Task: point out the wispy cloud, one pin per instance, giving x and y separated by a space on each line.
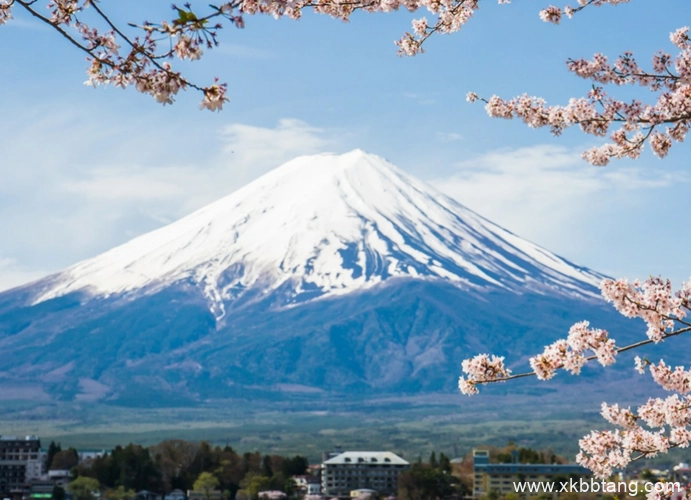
78 200
547 193
13 274
449 136
243 51
243 153
418 98
250 151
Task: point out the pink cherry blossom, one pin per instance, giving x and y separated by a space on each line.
5 11
654 427
660 123
191 33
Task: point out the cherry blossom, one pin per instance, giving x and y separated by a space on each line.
660 123
119 59
133 56
656 426
5 11
677 380
482 369
640 364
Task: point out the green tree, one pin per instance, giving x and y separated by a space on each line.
295 466
230 472
83 488
252 462
174 459
444 463
58 493
253 483
206 482
103 468
422 482
65 459
134 468
267 469
119 494
53 449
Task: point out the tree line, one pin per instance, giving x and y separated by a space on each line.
176 464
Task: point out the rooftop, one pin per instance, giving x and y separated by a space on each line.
532 469
369 457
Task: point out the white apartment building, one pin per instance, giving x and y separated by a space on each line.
357 470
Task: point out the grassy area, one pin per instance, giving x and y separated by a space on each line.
412 427
410 430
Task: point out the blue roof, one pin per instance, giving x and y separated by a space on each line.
546 469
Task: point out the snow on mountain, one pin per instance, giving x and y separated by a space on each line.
321 226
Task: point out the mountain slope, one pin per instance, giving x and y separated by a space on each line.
335 275
322 226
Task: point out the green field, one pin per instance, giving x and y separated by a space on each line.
412 430
411 427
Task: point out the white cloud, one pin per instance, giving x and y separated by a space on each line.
250 151
78 198
12 274
449 136
549 194
418 98
244 152
128 184
243 51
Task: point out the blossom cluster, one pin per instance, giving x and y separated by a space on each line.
654 427
134 61
570 354
667 422
653 300
596 113
481 370
553 14
451 16
5 11
141 63
677 380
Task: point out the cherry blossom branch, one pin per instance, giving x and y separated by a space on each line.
652 300
666 420
636 345
141 69
596 113
27 5
137 49
553 14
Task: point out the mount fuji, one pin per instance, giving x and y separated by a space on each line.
332 274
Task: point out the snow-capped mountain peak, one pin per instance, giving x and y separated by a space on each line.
319 226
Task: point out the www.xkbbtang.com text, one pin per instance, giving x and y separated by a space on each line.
581 486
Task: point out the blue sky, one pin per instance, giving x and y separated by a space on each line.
84 169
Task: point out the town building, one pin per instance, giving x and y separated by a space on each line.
356 470
308 484
500 478
204 495
176 494
681 473
147 495
20 463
